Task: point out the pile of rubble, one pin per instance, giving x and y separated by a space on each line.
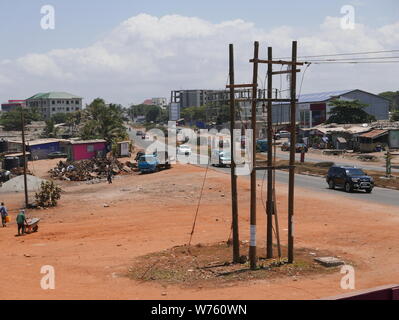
84 170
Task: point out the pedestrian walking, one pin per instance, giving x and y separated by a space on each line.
4 214
109 175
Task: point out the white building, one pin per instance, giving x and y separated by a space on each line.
161 102
51 103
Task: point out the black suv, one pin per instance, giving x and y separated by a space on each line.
349 178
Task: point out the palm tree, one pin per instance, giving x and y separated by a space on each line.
103 121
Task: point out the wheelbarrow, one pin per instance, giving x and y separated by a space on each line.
32 225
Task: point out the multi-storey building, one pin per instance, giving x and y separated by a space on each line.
54 102
12 105
190 98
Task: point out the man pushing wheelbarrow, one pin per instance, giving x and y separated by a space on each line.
26 225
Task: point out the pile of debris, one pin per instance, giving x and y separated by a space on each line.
84 170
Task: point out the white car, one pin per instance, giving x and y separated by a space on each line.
184 149
284 134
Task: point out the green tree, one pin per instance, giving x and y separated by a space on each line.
152 113
102 121
223 114
349 112
11 120
50 131
192 114
163 116
60 117
393 97
395 115
137 110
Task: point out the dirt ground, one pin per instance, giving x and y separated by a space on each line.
99 230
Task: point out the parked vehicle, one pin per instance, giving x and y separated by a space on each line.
4 175
164 159
349 178
261 145
284 134
148 163
153 162
184 149
139 133
298 147
220 158
57 154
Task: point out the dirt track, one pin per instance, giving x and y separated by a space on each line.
91 246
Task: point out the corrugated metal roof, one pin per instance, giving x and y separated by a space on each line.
38 141
321 96
87 141
354 129
374 134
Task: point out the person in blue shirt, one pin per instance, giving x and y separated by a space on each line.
4 214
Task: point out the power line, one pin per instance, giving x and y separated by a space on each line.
354 62
345 54
355 58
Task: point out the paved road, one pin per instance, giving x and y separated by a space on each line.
317 184
339 162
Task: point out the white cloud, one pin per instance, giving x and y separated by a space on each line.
148 56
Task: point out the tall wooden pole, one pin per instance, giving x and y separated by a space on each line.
292 157
234 204
252 246
269 202
24 156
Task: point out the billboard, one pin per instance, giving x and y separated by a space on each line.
174 111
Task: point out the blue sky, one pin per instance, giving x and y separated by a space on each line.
126 51
80 23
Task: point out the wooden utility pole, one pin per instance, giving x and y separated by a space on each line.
269 202
234 204
292 156
24 157
271 207
252 246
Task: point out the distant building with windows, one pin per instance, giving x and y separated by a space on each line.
191 98
312 109
12 105
52 103
160 102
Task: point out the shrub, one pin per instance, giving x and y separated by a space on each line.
48 195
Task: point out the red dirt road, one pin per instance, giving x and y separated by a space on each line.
92 246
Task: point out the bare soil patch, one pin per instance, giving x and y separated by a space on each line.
210 265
